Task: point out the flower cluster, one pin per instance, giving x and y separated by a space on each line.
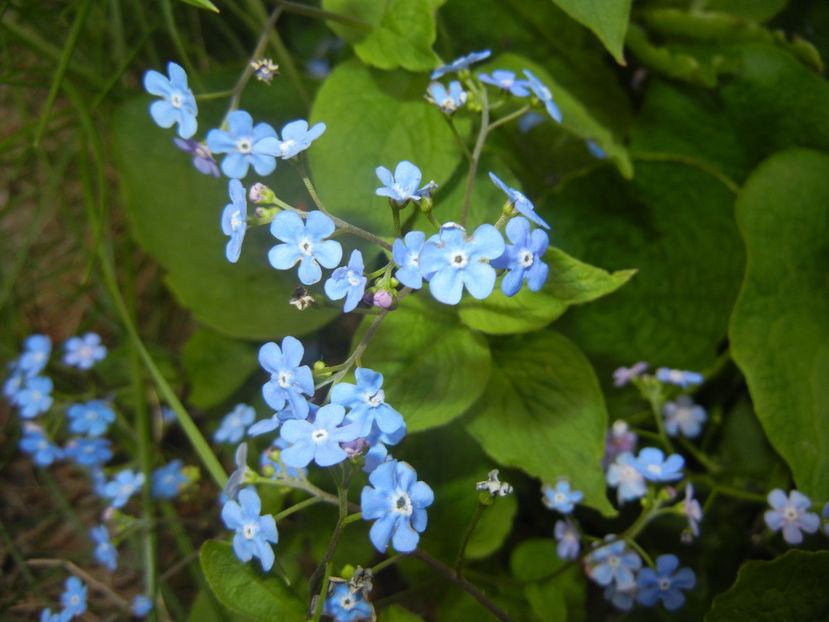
73 600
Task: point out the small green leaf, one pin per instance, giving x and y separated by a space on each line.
543 412
780 325
215 366
433 367
607 18
791 588
203 4
569 282
244 589
375 119
402 35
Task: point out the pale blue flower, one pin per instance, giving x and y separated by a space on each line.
519 202
35 443
141 605
296 137
561 498
235 220
367 402
289 380
36 351
84 352
683 417
178 104
88 451
35 397
665 583
568 538
318 440
448 100
613 563
232 428
245 145
679 377
348 282
456 260
791 515
460 63
623 475
92 418
104 551
168 480
653 465
125 485
397 501
74 598
304 242
523 258
544 94
253 532
402 186
505 80
347 604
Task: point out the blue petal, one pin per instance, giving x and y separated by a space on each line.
262 164
264 133
447 285
319 226
163 113
288 226
219 141
373 503
157 83
309 271
240 123
299 454
328 253
479 279
329 454
405 538
381 531
284 256
235 165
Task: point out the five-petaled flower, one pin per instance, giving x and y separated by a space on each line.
348 282
83 352
654 467
367 402
679 377
448 100
125 484
92 418
406 255
522 258
519 202
402 186
304 242
289 380
683 417
35 443
456 260
665 583
615 563
505 80
168 480
245 145
397 501
235 219
318 440
296 137
560 498
36 351
178 104
568 538
74 598
791 515
232 428
253 532
623 475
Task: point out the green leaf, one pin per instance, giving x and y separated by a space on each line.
434 368
569 282
215 366
756 10
673 223
543 412
174 213
402 35
244 589
375 119
207 609
791 588
558 598
396 613
203 4
780 325
607 18
576 117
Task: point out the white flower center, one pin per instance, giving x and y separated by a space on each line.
244 145
675 376
789 514
614 561
319 436
347 602
376 399
655 469
91 415
38 356
525 258
403 504
284 379
36 396
559 498
74 599
459 260
176 100
235 422
664 584
306 246
236 220
353 278
629 474
85 352
43 445
286 146
249 531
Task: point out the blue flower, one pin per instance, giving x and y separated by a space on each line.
304 242
74 598
568 539
13 384
523 257
346 604
519 202
399 502
528 121
35 396
679 377
233 425
448 100
367 402
36 350
377 441
505 80
168 480
125 485
92 418
542 93
318 441
84 352
268 459
791 515
623 375
235 220
43 451
618 440
47 616
665 583
621 599
683 416
289 380
104 551
245 145
296 137
348 282
691 509
460 63
402 186
88 451
178 104
253 532
626 478
613 563
141 605
406 254
202 158
653 465
456 260
560 498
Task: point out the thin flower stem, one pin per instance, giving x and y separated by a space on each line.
656 408
358 351
473 523
296 508
352 518
508 118
699 456
386 563
304 485
476 155
311 11
641 551
215 95
81 574
459 138
261 44
465 585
